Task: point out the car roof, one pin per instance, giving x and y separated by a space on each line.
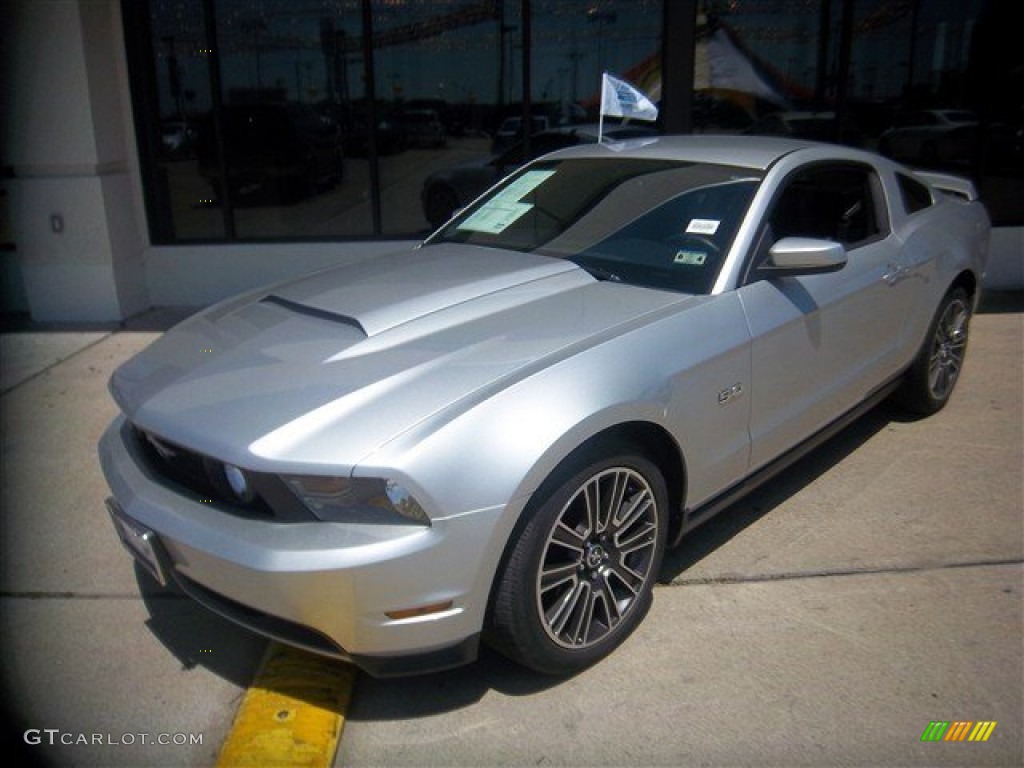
755 152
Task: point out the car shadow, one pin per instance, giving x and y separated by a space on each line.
382 699
1001 302
717 531
196 636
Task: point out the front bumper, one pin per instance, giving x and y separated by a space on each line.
322 586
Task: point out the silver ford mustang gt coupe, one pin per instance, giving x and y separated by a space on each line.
497 433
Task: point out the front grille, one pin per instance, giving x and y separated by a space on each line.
194 475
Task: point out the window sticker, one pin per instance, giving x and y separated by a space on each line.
702 227
522 186
505 208
494 219
690 258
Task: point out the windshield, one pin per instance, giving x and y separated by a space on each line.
658 223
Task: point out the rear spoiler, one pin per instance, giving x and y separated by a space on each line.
951 185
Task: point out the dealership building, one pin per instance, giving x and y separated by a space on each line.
174 152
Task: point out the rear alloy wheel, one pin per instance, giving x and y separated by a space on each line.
579 578
933 376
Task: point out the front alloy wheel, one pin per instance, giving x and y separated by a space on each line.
579 578
598 558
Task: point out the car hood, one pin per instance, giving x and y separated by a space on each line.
325 369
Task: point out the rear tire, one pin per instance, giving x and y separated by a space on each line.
580 574
935 371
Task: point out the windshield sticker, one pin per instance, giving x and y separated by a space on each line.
493 219
521 187
690 258
702 227
504 209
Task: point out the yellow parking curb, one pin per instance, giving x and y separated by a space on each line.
292 714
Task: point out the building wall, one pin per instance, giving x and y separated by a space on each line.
1005 271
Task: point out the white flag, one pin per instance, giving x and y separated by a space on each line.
620 99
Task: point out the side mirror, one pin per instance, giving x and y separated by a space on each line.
803 256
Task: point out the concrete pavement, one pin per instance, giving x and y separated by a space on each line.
84 653
825 620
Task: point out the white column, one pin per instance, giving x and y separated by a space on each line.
67 139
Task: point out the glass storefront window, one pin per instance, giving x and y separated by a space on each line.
291 75
754 63
575 41
333 119
932 83
460 64
439 78
278 106
181 65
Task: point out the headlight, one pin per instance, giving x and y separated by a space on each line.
356 499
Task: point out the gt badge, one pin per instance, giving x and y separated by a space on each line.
730 393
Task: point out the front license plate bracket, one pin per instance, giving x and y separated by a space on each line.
140 542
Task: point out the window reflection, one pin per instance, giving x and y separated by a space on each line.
438 80
260 126
449 80
282 148
182 63
933 84
291 76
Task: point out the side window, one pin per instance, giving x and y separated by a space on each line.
830 202
916 196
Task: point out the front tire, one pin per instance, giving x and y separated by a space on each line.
580 574
936 370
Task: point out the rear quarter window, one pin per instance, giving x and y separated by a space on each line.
915 195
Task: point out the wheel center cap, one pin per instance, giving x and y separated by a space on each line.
595 555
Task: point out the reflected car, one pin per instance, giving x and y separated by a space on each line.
423 128
495 435
511 130
814 126
281 152
929 136
177 139
447 190
390 136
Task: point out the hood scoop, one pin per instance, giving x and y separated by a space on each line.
321 314
386 292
